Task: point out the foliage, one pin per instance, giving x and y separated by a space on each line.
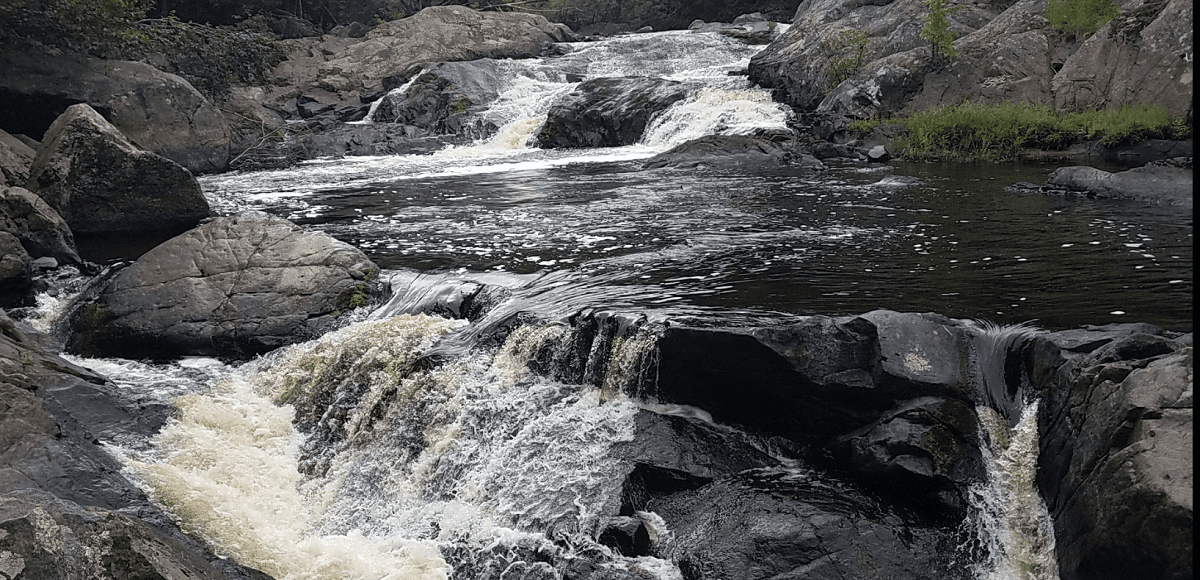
1080 17
75 24
936 30
842 65
999 132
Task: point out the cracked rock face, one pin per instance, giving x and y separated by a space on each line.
235 287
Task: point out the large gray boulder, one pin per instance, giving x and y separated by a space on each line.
731 151
1116 464
607 112
42 231
101 183
1144 56
1167 182
15 159
236 286
158 111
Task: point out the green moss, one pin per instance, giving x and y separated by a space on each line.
972 131
1080 17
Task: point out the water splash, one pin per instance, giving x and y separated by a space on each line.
716 111
1013 522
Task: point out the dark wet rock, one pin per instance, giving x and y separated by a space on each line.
157 111
99 182
41 230
16 273
607 112
235 287
796 524
1167 182
66 510
731 151
676 450
1140 57
629 536
15 158
1116 454
749 28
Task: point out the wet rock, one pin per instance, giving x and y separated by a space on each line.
16 273
730 151
1116 455
1143 56
42 232
607 112
99 182
897 182
1166 182
628 535
235 287
157 111
796 524
442 98
15 159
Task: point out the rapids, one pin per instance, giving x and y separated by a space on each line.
357 455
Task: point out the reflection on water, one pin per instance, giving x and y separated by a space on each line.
840 242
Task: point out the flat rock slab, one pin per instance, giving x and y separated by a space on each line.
235 287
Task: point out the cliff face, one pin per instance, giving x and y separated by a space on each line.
1009 53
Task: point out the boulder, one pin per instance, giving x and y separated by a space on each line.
157 111
607 112
16 273
1116 453
15 159
1143 56
236 286
41 230
730 151
792 523
1166 182
99 182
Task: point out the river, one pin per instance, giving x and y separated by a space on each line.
486 462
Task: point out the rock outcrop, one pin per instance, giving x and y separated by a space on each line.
1166 182
66 511
236 287
1116 454
1144 56
99 182
607 112
157 111
40 229
1008 53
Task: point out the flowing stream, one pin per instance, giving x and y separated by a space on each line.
472 467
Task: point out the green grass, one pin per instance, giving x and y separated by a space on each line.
1001 132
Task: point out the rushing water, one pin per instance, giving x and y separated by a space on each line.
403 470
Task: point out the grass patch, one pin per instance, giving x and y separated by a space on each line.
972 131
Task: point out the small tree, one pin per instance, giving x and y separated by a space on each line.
1080 17
936 30
841 67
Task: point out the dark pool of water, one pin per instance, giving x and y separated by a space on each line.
834 243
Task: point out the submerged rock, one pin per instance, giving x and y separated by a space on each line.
1167 182
235 287
99 182
731 151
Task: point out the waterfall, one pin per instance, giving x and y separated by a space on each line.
346 457
1010 519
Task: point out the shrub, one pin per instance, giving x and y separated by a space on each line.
846 53
1080 17
1000 132
936 30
